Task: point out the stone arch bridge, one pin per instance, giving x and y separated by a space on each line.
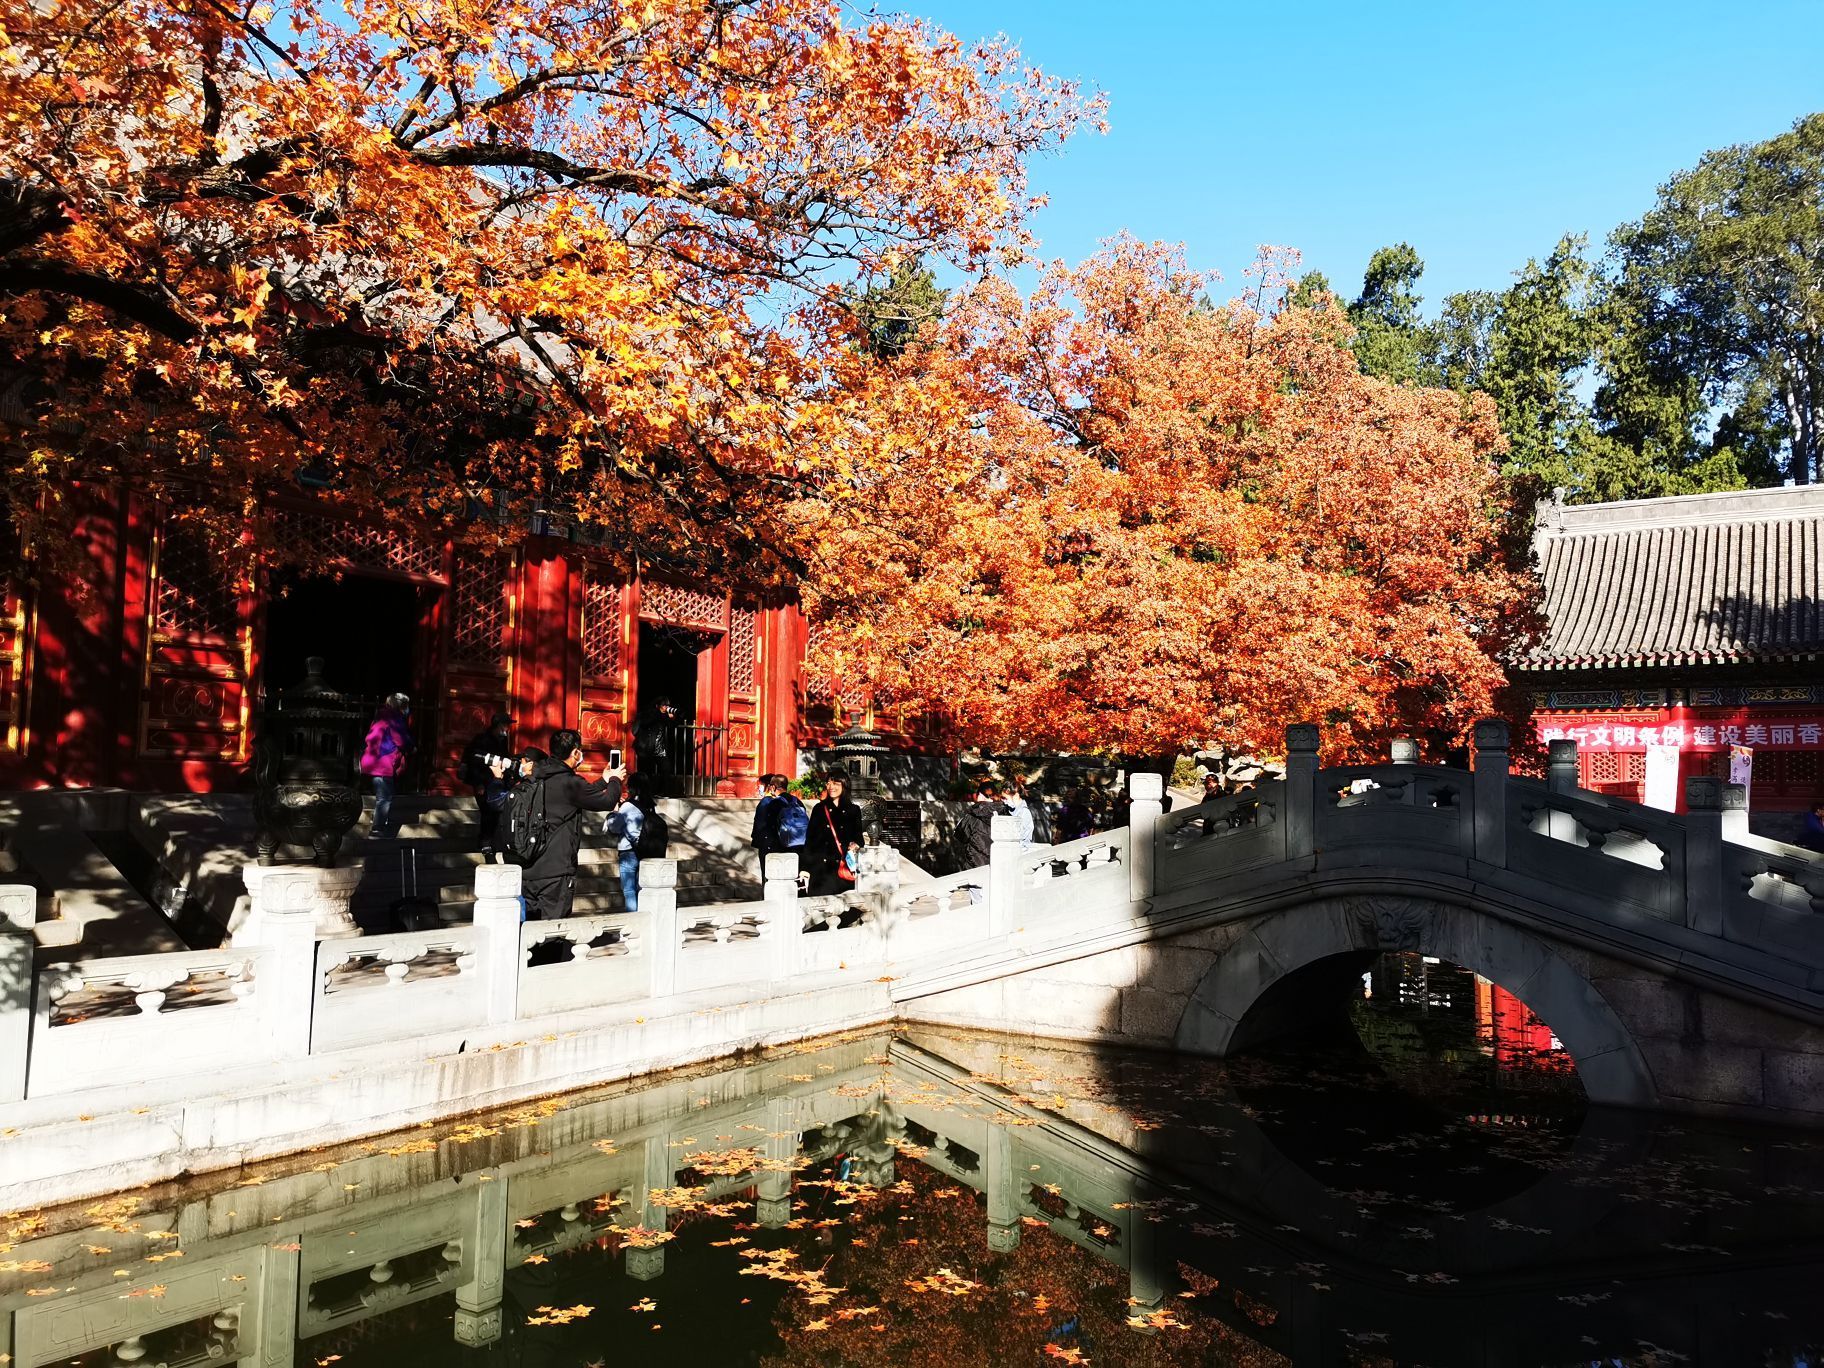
1679 959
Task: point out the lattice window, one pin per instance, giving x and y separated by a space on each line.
479 605
741 652
601 626
319 540
818 687
671 603
196 593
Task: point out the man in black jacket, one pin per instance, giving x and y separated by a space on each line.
550 880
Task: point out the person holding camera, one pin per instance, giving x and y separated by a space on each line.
486 762
555 796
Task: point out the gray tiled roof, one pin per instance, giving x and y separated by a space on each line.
1693 580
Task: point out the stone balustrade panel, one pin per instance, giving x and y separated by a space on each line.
1093 867
1225 835
938 914
363 989
1373 805
580 962
420 1252
1599 846
722 944
1774 900
144 1017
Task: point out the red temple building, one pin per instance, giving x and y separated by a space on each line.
149 676
1695 622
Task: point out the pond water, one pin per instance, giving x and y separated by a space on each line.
924 1197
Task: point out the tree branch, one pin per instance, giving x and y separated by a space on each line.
130 301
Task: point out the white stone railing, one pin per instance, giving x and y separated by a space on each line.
293 986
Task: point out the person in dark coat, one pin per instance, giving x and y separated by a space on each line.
835 831
490 781
1812 837
976 829
550 880
1076 819
766 816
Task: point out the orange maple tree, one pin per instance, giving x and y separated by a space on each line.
425 255
1168 523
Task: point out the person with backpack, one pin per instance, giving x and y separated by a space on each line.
544 823
642 835
766 815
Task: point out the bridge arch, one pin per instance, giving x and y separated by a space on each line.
1609 1062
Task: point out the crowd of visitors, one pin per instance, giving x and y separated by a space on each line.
530 807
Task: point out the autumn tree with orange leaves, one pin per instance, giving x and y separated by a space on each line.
429 256
1166 524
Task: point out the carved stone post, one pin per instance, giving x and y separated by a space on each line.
1561 765
646 1262
1302 741
1703 822
773 1188
1146 792
284 924
278 1306
1403 750
1002 1185
784 918
1561 777
323 893
499 914
1735 812
18 910
1490 785
659 905
484 1249
1003 875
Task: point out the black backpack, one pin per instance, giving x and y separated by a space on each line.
528 828
655 835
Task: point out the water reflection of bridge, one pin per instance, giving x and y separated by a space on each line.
249 1270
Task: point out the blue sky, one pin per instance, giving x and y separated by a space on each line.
1478 132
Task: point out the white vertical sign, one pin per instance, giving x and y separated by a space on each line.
1662 778
1741 766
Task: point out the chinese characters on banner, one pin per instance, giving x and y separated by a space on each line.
1644 730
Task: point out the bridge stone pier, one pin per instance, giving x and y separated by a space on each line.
1679 958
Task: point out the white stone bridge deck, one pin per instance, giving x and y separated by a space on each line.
1679 959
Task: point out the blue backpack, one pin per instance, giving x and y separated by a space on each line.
794 823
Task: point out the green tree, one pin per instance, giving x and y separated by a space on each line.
1718 306
892 311
1388 334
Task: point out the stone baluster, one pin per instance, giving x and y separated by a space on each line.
659 905
1735 812
784 917
283 924
280 1272
18 911
1003 875
1002 1185
773 1185
484 1248
1146 793
1561 777
1490 786
1302 740
646 1262
499 914
1703 823
1561 765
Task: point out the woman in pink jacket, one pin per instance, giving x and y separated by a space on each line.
389 742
